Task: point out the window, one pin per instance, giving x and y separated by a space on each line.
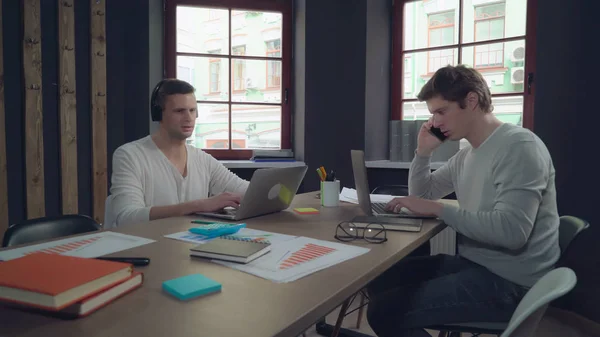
489 25
440 33
239 69
214 73
273 68
225 55
496 37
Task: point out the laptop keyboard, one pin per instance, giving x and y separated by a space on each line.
379 207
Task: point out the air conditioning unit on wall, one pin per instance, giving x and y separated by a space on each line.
518 54
517 75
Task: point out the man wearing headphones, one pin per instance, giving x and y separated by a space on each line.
160 176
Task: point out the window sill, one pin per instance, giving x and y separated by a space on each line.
252 164
401 165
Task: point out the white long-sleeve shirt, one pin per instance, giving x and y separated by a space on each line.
143 177
508 218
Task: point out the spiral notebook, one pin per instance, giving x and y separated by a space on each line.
231 248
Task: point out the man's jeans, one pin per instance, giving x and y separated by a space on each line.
424 291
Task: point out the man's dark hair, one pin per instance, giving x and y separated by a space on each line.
172 86
453 83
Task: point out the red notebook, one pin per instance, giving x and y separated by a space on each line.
89 304
53 281
96 301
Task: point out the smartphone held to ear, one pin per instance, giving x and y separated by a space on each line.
438 133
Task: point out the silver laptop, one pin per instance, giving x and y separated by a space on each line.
270 190
376 212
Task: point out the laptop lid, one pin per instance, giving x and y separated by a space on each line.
361 182
270 190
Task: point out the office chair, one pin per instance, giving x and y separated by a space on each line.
391 190
532 307
569 228
46 228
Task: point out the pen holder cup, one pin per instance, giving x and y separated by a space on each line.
330 193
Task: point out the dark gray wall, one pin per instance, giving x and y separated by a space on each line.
563 101
331 69
565 113
155 49
377 78
299 78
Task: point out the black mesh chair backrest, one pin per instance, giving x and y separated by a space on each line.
47 228
399 190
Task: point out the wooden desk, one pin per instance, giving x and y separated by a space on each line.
248 305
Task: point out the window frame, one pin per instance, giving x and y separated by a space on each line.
397 85
269 53
170 61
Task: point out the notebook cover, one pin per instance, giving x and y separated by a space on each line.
236 248
75 310
306 210
52 274
191 286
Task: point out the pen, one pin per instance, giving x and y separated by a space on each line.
320 173
202 222
136 261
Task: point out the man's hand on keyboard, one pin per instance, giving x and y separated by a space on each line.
415 205
220 201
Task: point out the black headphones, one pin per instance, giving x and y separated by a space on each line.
156 109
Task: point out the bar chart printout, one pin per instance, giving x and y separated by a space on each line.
296 258
307 253
88 246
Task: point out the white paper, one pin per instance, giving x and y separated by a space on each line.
296 258
349 195
245 233
88 246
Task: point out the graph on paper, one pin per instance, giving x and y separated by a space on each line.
307 253
296 258
90 245
67 247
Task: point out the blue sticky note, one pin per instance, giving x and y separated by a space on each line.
190 286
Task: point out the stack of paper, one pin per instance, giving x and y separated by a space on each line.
296 258
349 195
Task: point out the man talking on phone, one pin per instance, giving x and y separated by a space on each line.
506 224
160 176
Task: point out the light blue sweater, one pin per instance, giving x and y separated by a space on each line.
508 218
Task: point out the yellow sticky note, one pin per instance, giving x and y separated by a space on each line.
285 194
306 210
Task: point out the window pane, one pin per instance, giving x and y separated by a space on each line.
419 67
256 126
415 111
200 30
509 109
210 76
256 30
501 64
257 81
212 127
489 19
430 23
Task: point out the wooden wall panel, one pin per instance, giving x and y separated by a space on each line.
3 182
68 106
34 142
98 79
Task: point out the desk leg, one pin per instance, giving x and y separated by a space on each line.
329 330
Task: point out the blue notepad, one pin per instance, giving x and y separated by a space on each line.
190 286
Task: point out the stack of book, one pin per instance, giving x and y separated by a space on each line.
272 155
64 286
